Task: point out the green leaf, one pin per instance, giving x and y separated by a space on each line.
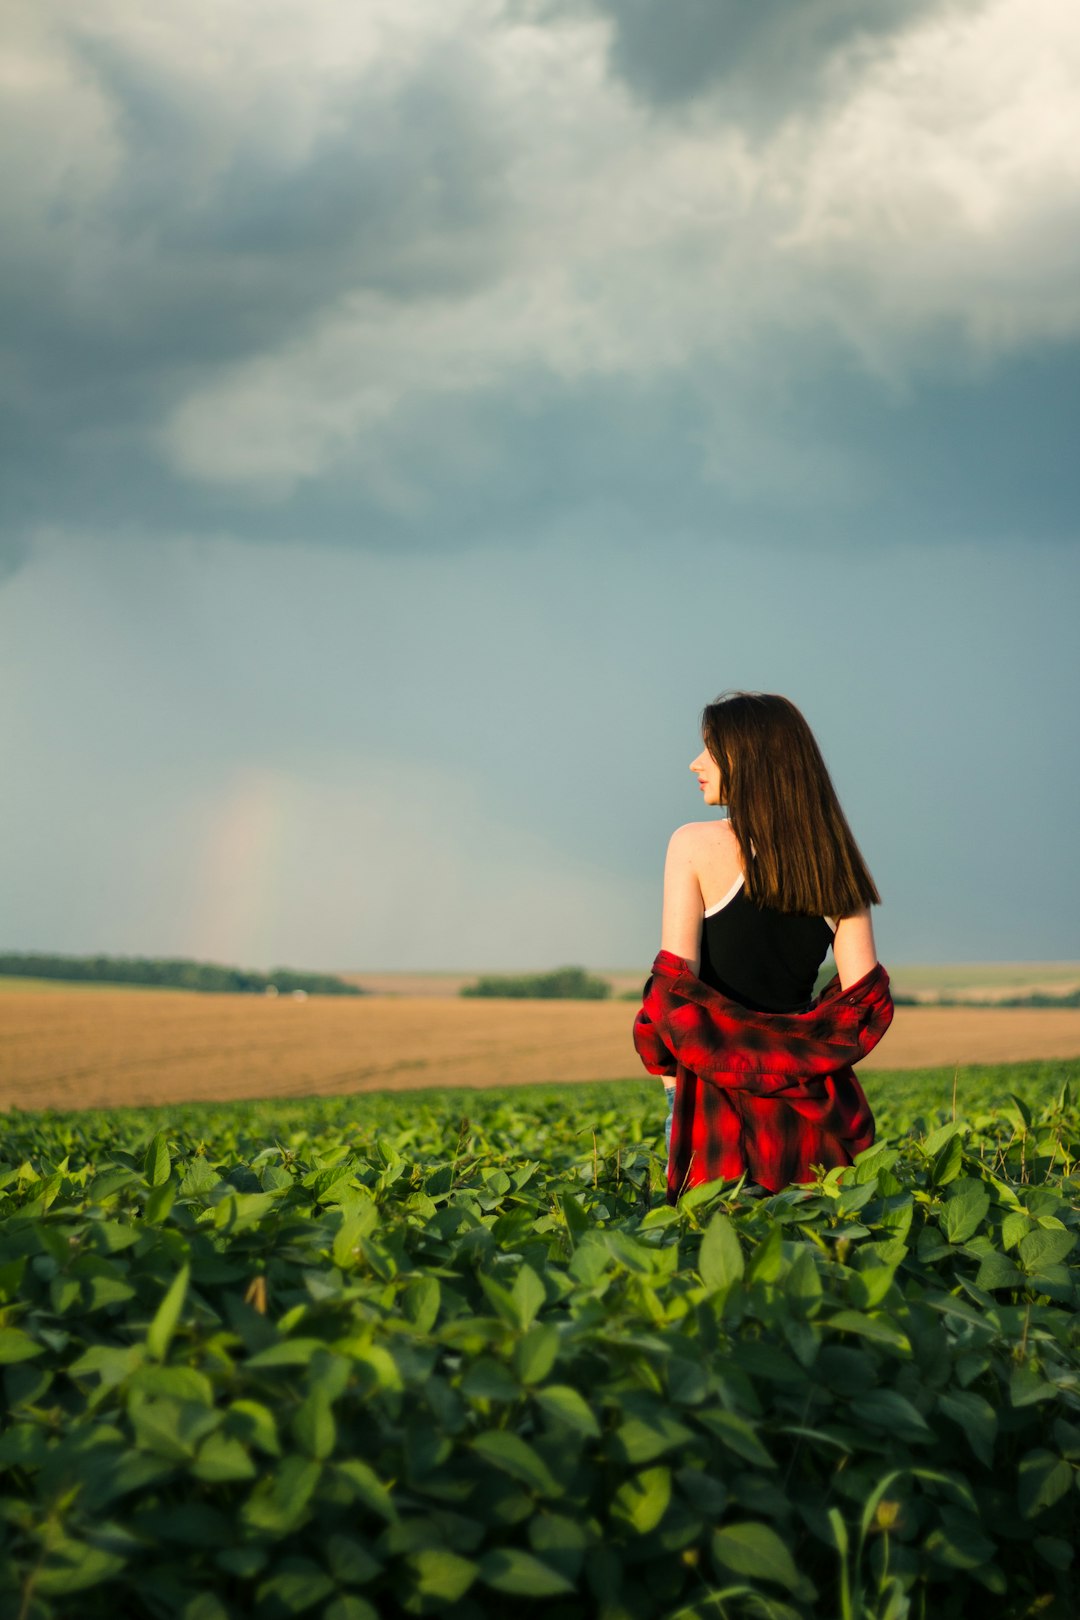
871 1327
976 1417
295 1585
577 1222
642 1500
756 1551
636 1257
161 1329
1022 1109
590 1260
518 1459
367 1487
767 1260
23 1446
738 1435
560 1541
157 1164
189 1524
313 1424
569 1407
287 1353
108 1290
73 1566
870 1285
439 1573
1028 1388
965 1209
181 1383
892 1413
112 1366
534 1355
940 1138
15 1345
720 1259
802 1285
947 1163
159 1203
957 1541
420 1303
348 1607
255 1423
350 1561
521 1574
171 1428
1055 1552
1044 1478
1045 1248
998 1271
239 1211
528 1295
641 1439
379 1366
489 1380
246 1559
278 1503
221 1459
199 1178
501 1298
204 1606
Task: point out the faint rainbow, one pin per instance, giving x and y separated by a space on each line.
238 889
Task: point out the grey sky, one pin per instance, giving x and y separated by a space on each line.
413 416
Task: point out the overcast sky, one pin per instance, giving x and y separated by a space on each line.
414 414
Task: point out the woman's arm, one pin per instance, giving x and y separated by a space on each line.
853 947
684 907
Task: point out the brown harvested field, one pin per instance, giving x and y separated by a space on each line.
70 1046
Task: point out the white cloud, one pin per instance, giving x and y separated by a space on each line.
936 190
946 187
548 225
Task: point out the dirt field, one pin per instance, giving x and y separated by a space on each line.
89 1047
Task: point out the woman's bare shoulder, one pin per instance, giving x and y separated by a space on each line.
712 851
706 833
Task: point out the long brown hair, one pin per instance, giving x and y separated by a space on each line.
783 808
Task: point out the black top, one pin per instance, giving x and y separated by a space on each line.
763 958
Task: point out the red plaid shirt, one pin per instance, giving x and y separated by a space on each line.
762 1092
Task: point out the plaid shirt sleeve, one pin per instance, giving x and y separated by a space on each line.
649 1044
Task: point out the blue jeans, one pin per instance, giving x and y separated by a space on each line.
669 1092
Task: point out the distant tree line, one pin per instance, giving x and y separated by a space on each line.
1033 998
174 972
566 983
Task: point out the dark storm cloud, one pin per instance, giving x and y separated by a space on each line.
207 238
989 457
183 266
764 58
399 195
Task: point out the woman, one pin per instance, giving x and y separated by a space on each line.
751 905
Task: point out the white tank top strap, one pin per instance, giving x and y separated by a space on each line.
732 892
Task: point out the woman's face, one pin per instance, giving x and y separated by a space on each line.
707 772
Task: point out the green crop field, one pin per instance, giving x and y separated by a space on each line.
453 1354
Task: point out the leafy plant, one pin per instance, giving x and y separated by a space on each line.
371 1357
